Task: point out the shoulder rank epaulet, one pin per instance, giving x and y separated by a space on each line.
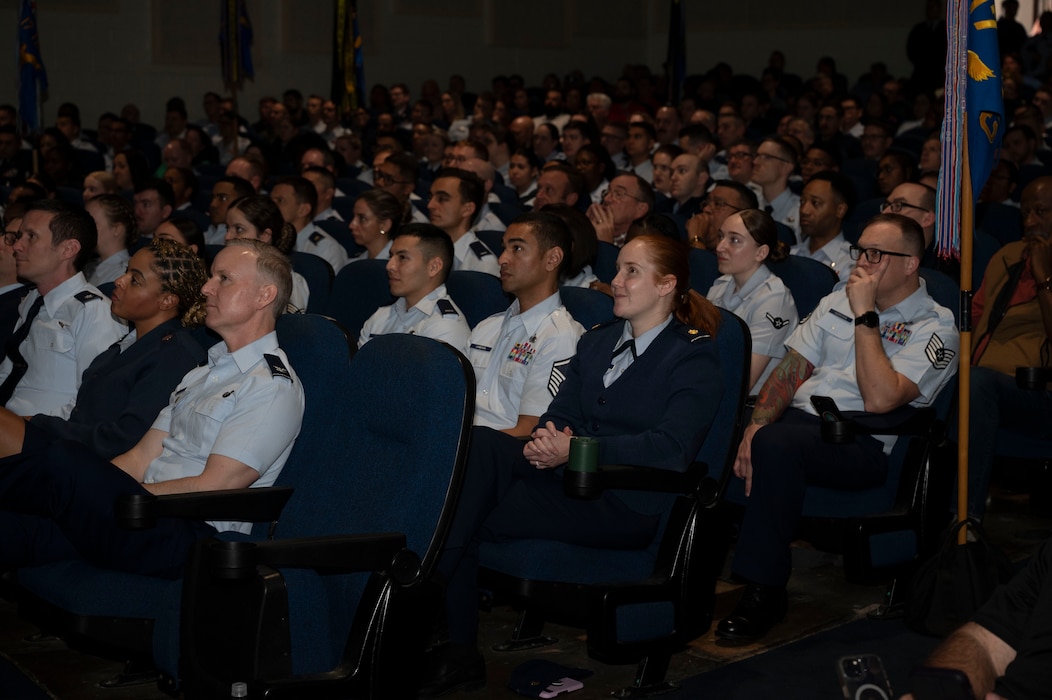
316 237
691 334
480 249
447 308
167 337
277 367
604 324
86 296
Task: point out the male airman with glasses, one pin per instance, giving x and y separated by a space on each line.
774 162
877 343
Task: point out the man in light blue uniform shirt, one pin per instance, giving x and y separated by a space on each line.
421 259
230 424
518 355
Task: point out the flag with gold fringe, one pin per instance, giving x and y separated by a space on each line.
974 114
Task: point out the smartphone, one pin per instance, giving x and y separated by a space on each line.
929 683
862 677
563 685
826 409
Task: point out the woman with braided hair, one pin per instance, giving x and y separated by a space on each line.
125 387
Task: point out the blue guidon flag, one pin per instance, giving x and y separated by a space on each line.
974 107
32 76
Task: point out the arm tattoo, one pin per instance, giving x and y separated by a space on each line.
777 392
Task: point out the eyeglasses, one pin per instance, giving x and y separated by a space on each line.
765 156
740 155
11 237
718 203
817 162
874 255
897 207
619 195
381 178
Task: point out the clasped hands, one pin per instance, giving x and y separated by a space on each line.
549 448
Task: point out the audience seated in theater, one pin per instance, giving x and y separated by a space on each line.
457 197
747 240
184 232
376 220
396 173
96 183
523 169
826 201
117 233
875 366
628 199
661 160
774 162
647 386
296 199
126 386
579 272
226 190
421 260
257 218
726 198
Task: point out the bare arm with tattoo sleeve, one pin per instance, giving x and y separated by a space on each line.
775 396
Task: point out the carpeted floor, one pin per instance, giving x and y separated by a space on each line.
15 684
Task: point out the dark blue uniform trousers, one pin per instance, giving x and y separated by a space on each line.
57 502
505 497
787 456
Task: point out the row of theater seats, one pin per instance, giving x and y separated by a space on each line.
382 452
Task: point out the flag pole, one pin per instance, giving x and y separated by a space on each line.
964 366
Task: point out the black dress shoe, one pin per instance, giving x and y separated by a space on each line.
760 609
452 667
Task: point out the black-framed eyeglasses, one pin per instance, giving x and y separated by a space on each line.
619 195
380 177
897 207
11 237
874 255
764 156
740 155
718 203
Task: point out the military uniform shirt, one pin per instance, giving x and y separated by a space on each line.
919 337
517 360
72 327
469 253
434 316
111 268
384 254
836 255
767 308
316 242
246 405
785 208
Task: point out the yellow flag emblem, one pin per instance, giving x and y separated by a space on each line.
977 70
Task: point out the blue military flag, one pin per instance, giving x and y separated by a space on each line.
235 43
32 76
348 70
974 108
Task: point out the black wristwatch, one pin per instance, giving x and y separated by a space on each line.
870 319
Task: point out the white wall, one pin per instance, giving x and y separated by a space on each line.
104 53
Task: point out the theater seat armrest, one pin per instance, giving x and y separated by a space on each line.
632 477
337 554
140 511
1033 378
905 420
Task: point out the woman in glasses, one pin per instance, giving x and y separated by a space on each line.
747 240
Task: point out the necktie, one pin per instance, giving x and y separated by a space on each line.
629 344
19 367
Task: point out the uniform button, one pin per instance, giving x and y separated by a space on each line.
595 427
602 401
